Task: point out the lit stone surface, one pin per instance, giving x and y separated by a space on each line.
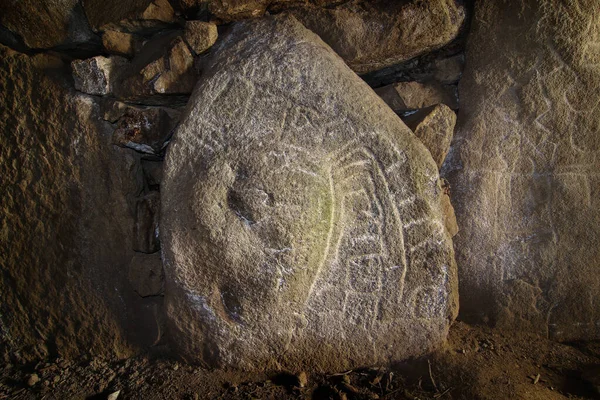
301 220
525 168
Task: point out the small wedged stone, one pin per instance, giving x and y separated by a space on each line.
409 96
434 127
164 66
200 36
302 223
146 130
129 16
97 75
173 73
146 274
145 229
121 43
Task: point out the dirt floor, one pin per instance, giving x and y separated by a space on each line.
477 363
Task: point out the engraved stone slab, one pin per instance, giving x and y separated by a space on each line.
301 219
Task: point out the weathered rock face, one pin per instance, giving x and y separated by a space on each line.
65 222
373 35
131 15
524 168
51 24
301 221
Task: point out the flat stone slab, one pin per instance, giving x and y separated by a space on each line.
301 220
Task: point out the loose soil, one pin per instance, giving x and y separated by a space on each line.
477 363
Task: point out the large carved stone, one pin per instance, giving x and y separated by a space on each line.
524 169
301 220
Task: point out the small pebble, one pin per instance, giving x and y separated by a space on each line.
113 395
33 379
302 379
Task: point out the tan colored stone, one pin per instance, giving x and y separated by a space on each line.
449 216
301 220
200 36
435 128
130 15
524 170
173 73
375 35
410 96
121 43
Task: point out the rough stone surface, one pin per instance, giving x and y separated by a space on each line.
301 219
65 219
145 230
131 15
97 75
121 43
53 23
146 129
410 96
373 35
146 274
200 36
174 72
524 168
435 128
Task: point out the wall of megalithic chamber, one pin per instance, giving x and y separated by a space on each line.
149 89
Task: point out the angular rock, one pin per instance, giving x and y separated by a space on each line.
524 169
145 229
65 235
146 274
146 129
200 36
435 128
301 219
97 75
410 96
374 35
121 43
130 16
173 73
48 24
